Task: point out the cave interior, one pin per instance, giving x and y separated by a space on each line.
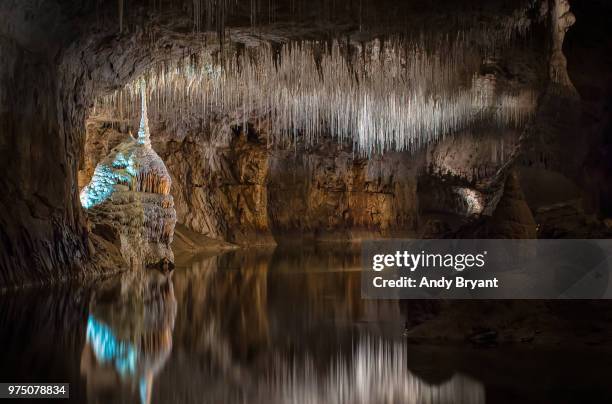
141 135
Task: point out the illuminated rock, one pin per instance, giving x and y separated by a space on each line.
129 194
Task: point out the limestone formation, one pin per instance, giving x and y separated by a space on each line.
561 21
129 195
248 194
392 95
271 141
512 217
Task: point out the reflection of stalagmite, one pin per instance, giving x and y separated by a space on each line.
129 335
130 193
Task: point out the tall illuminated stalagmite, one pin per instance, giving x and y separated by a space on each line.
130 192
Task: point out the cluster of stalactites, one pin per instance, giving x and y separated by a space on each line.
152 182
391 95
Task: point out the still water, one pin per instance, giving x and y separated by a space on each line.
265 326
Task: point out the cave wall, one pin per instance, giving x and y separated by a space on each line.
589 40
564 167
56 56
327 194
233 186
220 185
51 68
240 187
41 229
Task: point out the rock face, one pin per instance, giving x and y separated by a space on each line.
241 191
512 217
231 186
129 196
220 186
327 194
41 225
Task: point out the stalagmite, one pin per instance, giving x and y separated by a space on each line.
144 135
562 19
130 191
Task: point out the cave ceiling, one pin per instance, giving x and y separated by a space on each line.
380 53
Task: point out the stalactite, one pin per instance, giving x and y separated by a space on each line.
561 21
151 181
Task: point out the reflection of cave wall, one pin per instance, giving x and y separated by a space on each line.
254 317
43 331
251 303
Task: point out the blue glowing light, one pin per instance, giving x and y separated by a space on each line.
143 387
122 168
108 349
107 176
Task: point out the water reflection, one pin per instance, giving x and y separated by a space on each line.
374 372
264 326
128 336
289 326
